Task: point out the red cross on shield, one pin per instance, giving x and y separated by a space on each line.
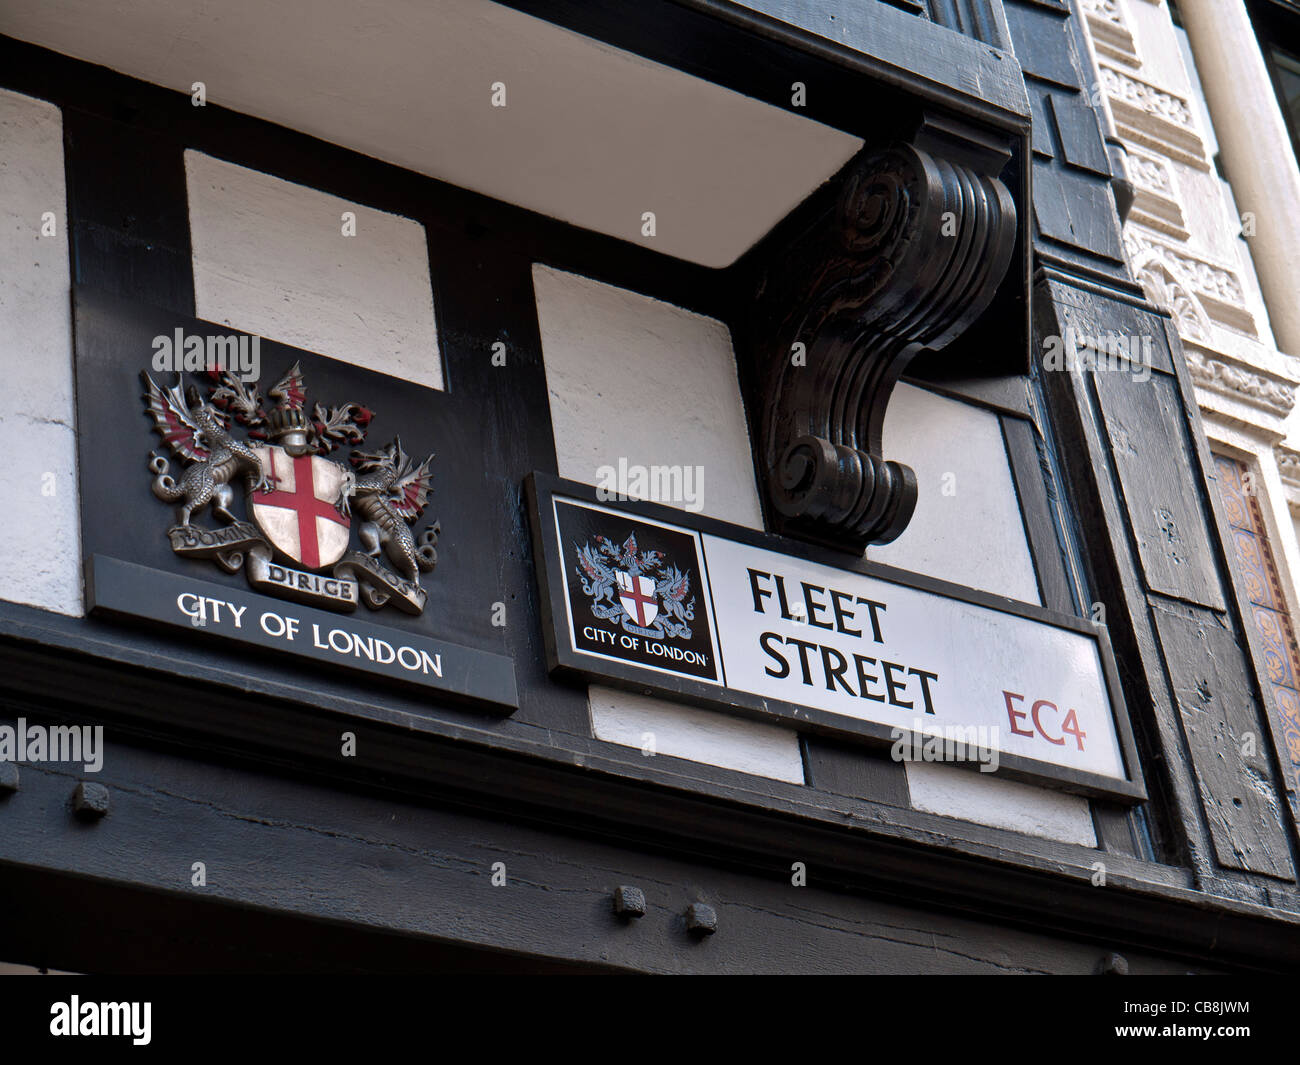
637 594
298 515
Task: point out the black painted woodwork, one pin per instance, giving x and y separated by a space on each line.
129 231
405 882
905 250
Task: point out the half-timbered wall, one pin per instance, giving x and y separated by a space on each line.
571 341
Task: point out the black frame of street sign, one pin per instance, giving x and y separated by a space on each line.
543 489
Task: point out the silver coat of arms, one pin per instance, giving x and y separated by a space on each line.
304 505
639 590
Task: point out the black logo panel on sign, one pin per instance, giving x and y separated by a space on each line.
635 591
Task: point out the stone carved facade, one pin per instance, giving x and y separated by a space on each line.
1218 375
1110 33
1180 238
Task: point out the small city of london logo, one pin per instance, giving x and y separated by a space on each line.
640 590
304 505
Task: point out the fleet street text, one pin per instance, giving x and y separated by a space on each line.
856 674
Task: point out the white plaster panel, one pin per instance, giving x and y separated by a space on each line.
40 565
969 795
698 735
632 377
967 527
270 258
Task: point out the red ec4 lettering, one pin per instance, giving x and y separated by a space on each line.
1043 715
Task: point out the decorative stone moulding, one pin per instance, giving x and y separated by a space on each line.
1110 33
1288 464
1145 114
1166 289
1216 374
1218 289
1155 195
909 254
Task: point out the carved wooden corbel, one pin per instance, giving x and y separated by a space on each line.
906 258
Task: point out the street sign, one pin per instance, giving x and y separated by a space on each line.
723 616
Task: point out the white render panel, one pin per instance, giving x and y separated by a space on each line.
970 795
698 735
635 378
42 567
270 257
967 528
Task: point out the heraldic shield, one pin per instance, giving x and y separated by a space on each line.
637 594
302 513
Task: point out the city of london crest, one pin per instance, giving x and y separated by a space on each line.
302 507
639 590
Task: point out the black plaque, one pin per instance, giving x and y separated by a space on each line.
346 641
127 529
620 574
